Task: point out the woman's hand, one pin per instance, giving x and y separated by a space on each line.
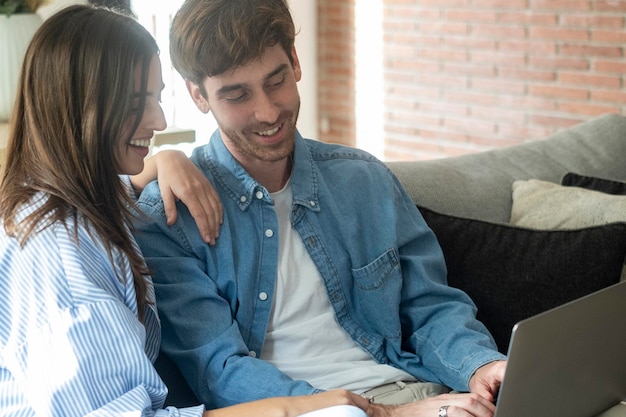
180 179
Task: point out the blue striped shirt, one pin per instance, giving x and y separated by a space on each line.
70 340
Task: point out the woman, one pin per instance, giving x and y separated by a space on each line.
78 322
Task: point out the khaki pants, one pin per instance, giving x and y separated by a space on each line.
404 392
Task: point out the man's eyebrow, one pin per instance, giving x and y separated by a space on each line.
228 88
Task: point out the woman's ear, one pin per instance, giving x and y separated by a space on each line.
196 95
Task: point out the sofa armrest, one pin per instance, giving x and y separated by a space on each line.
617 411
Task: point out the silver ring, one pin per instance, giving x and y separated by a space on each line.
443 411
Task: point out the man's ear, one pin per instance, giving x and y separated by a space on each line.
196 95
297 69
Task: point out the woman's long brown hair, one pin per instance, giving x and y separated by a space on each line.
75 93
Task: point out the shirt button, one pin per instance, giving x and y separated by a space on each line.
312 203
269 233
259 195
243 199
263 296
252 354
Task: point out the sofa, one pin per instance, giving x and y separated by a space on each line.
468 202
515 270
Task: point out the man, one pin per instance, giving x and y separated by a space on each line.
324 275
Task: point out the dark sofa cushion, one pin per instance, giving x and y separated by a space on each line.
572 179
514 273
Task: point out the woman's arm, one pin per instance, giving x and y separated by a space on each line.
180 179
324 403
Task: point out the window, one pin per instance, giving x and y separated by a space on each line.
180 111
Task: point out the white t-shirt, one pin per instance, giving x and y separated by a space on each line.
303 338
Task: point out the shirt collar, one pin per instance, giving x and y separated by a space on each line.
243 189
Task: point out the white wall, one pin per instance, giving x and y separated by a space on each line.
305 17
54 5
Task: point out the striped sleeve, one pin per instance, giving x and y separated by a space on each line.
70 341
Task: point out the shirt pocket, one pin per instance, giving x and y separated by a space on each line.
373 275
377 294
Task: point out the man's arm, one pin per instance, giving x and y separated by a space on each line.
440 321
197 312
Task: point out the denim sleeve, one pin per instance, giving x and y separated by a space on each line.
443 330
199 332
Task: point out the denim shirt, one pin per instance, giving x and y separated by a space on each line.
382 266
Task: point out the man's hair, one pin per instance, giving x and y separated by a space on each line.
210 37
75 92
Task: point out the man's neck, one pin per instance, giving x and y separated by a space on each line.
271 175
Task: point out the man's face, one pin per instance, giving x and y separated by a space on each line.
256 106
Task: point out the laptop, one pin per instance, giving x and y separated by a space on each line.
569 361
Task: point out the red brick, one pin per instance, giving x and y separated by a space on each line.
529 47
557 122
469 125
588 21
586 50
469 70
468 43
503 115
503 58
614 6
500 4
498 32
556 63
465 75
499 86
587 109
561 5
528 18
608 96
443 55
521 74
558 34
608 36
618 67
472 16
475 98
557 92
590 80
449 28
531 104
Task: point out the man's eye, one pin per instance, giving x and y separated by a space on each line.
235 98
277 81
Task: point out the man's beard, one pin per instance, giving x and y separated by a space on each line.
247 146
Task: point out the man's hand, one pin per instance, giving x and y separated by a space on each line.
471 404
487 379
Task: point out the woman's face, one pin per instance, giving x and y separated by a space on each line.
132 152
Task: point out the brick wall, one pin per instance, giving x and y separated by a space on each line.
463 76
336 71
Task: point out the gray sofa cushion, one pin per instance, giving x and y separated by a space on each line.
479 185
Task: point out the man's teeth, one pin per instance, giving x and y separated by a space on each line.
144 143
269 132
